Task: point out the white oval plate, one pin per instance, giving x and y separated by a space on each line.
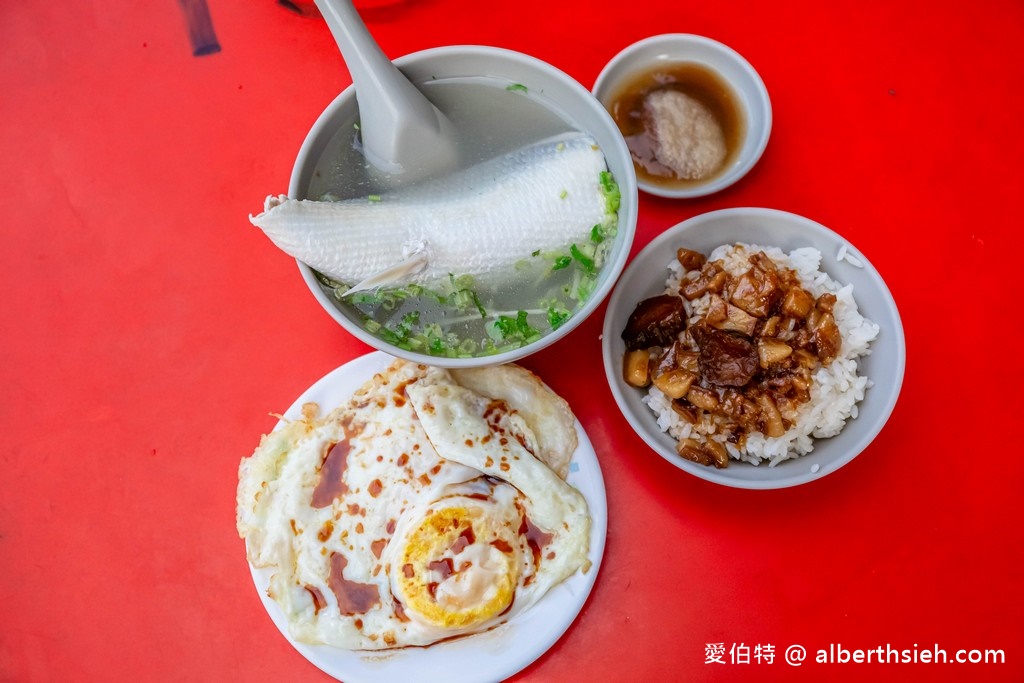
484 657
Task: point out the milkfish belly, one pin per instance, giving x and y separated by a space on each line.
542 197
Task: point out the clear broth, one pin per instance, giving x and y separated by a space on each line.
491 120
458 317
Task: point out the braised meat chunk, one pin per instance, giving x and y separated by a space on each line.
708 453
728 360
655 322
689 259
756 291
725 316
826 338
744 361
772 351
712 278
636 368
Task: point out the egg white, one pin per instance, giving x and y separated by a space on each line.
344 569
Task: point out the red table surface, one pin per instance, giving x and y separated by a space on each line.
147 331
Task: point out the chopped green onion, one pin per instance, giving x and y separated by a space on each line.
584 260
610 190
572 290
462 299
561 262
398 321
409 320
479 306
563 194
463 281
586 287
597 234
365 298
516 86
374 198
388 335
557 317
505 326
521 323
524 327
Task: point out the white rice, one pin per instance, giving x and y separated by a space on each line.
844 254
836 389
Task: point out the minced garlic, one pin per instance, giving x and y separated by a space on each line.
687 137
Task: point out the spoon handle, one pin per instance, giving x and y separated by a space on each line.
401 130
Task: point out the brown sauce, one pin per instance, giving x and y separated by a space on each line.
353 597
536 539
502 545
467 537
694 80
318 599
445 567
399 610
331 478
330 483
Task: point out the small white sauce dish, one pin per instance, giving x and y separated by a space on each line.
884 366
749 89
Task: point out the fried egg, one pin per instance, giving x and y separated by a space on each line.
418 511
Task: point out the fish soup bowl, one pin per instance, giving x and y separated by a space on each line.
330 143
647 276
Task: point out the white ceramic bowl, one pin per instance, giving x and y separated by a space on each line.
557 90
672 48
646 276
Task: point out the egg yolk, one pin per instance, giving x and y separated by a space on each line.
450 574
